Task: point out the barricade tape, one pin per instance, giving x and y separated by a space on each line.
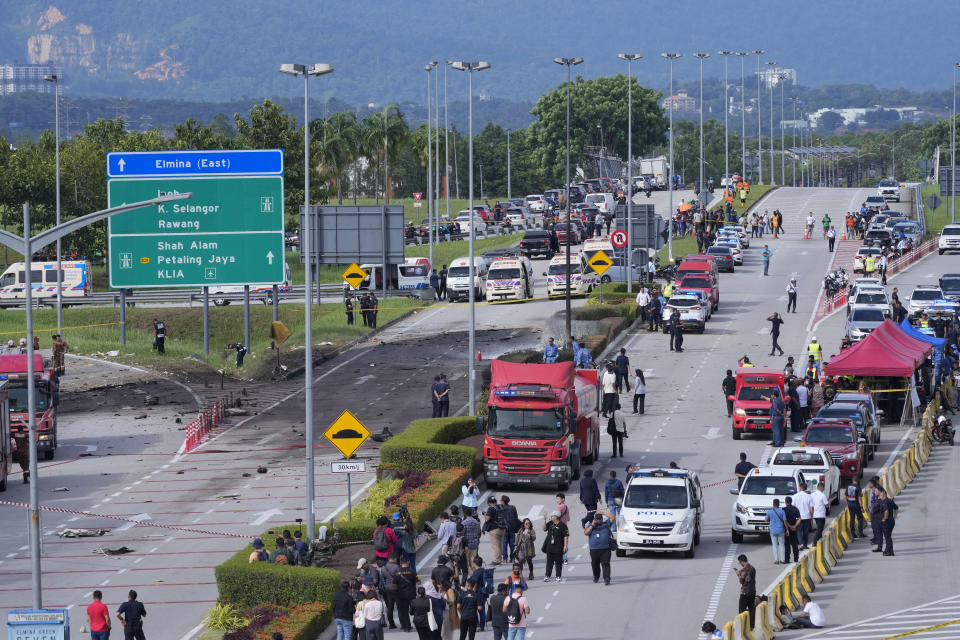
54 330
907 634
718 483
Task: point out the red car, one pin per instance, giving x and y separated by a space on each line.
706 284
839 437
567 233
484 211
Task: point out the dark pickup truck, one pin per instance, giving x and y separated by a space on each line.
538 242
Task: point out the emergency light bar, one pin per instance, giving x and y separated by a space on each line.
661 473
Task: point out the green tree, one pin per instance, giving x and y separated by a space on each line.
597 102
336 146
384 135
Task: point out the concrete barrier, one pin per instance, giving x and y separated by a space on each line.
728 631
810 562
742 627
763 629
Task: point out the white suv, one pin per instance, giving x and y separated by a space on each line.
755 497
889 189
817 466
662 511
922 297
949 238
536 203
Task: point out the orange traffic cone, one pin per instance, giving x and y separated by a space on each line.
843 235
806 235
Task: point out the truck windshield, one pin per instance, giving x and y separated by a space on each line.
458 272
754 393
541 423
656 496
769 486
561 269
18 397
503 274
830 435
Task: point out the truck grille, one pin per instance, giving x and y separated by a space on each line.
757 412
521 466
654 528
524 453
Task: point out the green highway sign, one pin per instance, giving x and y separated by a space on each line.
218 204
201 260
230 232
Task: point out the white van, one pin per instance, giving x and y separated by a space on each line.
582 278
458 279
604 202
662 511
222 295
592 245
76 279
414 273
509 278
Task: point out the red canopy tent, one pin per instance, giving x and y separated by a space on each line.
886 352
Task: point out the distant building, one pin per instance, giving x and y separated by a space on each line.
680 103
770 76
19 78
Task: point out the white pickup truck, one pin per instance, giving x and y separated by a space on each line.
889 189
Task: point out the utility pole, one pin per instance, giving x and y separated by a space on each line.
758 53
726 125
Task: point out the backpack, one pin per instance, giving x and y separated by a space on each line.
611 425
456 548
514 613
380 542
281 559
262 555
513 520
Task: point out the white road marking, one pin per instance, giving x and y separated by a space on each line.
152 550
121 571
546 607
725 572
556 593
70 606
138 561
104 583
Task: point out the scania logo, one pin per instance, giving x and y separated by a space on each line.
523 443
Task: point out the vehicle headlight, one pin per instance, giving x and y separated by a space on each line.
850 456
740 412
621 523
741 508
687 524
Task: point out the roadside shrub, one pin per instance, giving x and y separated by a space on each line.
431 444
302 622
252 584
373 504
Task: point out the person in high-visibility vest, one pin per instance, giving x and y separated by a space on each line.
668 290
815 352
924 321
869 265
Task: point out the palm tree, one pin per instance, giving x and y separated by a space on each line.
337 145
384 135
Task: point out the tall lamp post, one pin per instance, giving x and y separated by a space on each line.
629 57
953 148
470 67
430 201
773 174
568 62
743 118
726 124
702 57
601 150
55 79
793 143
318 69
446 144
670 57
509 193
758 53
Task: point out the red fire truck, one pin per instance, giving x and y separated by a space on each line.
13 369
6 450
542 424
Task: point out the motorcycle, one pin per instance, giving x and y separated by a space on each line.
942 430
835 282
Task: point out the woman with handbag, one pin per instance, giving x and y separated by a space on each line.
525 549
422 612
438 606
451 622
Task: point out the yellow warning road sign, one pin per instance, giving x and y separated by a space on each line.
600 262
347 433
279 332
354 275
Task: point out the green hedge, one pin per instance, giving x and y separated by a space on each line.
249 584
430 444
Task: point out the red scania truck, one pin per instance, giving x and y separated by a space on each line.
13 369
542 424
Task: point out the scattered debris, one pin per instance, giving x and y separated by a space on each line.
140 417
261 469
82 533
179 473
60 489
113 354
384 435
151 400
178 421
247 475
113 552
229 495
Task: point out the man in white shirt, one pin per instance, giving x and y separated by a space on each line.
803 394
820 503
804 504
608 381
643 299
792 295
810 222
811 616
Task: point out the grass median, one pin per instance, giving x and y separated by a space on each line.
936 219
97 330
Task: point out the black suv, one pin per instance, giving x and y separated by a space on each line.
537 242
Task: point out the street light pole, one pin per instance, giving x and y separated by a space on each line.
773 174
743 119
783 153
793 143
470 67
318 69
758 53
702 57
629 57
428 68
670 58
446 144
568 62
509 193
953 148
726 124
436 133
55 79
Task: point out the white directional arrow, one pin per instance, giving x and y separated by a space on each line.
130 525
122 164
362 379
712 434
269 257
265 515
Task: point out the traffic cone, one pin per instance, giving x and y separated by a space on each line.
843 235
806 235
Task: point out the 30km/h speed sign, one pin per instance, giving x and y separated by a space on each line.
618 239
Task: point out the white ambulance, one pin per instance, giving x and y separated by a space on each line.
458 279
76 280
582 278
509 279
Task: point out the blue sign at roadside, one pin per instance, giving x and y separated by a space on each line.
226 162
38 624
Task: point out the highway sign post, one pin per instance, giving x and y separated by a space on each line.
600 262
347 433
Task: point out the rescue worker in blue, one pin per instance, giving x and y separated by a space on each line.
551 351
778 411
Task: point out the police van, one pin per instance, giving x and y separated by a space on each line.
458 279
76 280
509 279
582 278
662 511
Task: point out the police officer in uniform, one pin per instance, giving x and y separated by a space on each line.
888 515
814 349
729 386
131 614
855 509
676 332
348 304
